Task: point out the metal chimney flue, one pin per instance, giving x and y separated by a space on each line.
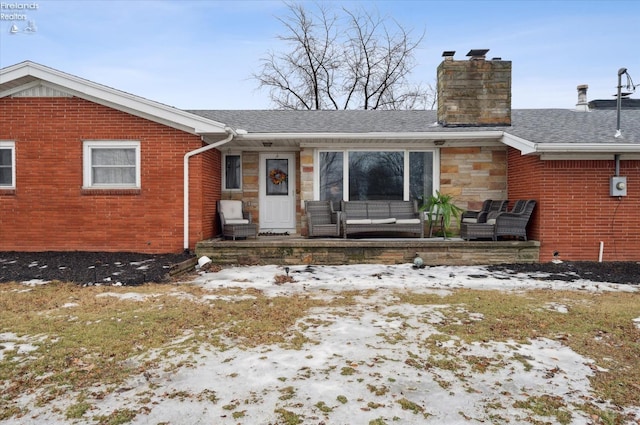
583 104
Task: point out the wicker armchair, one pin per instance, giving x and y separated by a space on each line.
322 220
235 222
488 207
512 223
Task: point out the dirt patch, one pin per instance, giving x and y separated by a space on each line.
88 268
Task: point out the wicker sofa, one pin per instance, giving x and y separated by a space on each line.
369 217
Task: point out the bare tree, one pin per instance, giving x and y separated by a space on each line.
364 65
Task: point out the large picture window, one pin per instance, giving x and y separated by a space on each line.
112 164
375 175
7 165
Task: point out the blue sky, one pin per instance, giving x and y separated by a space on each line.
201 54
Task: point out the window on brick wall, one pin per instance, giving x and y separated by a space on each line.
376 174
111 164
232 172
7 165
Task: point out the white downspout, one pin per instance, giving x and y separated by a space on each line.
231 133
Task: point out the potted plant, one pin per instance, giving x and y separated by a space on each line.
441 207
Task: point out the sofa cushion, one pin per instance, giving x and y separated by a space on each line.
469 220
237 221
408 221
359 221
383 220
231 209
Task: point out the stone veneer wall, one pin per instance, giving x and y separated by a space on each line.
473 174
338 251
306 184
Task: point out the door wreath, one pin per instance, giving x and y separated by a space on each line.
277 176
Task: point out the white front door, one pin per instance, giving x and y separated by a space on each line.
277 193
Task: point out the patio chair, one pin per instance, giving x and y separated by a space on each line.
488 207
322 219
514 223
511 223
235 222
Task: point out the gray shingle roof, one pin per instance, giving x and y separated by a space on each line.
534 125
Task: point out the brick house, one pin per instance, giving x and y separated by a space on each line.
87 167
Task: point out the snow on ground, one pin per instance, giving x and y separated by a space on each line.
11 342
368 362
404 276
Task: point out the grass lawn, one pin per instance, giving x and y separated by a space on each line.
66 350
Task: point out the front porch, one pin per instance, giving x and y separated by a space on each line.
285 250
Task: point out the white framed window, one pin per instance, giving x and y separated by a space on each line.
111 164
7 165
361 174
232 171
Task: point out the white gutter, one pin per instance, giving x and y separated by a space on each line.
588 148
230 134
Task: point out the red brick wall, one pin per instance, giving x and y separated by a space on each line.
574 211
209 184
50 211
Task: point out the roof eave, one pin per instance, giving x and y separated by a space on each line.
112 98
527 147
523 145
427 135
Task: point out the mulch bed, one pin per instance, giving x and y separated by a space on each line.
126 268
626 272
89 268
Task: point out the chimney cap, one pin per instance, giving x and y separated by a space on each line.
448 55
474 53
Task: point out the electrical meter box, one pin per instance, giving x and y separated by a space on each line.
618 186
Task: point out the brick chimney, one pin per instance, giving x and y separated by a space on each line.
474 92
